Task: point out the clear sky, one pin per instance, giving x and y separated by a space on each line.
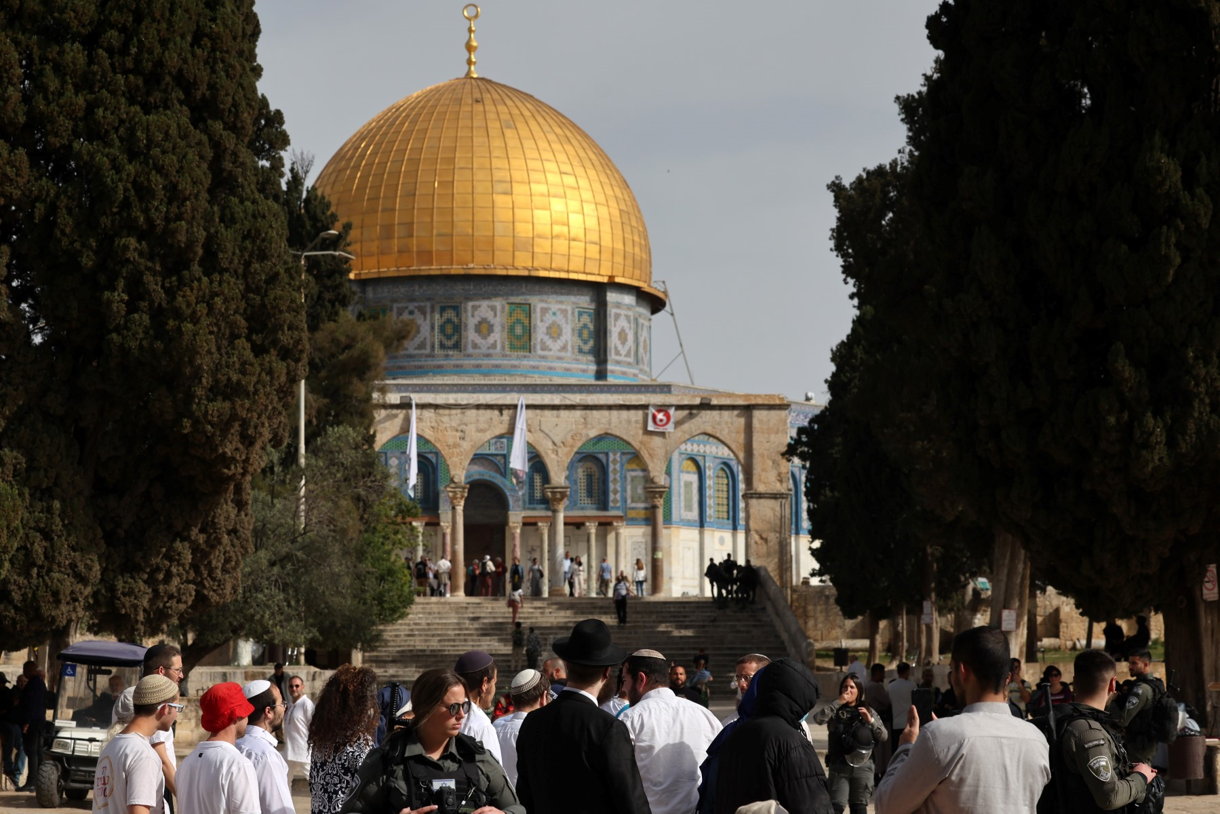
727 118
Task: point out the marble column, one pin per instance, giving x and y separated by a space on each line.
593 562
557 496
656 570
617 558
418 528
544 528
445 546
514 551
457 579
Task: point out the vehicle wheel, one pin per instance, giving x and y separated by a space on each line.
76 794
48 789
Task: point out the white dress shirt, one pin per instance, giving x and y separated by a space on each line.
507 728
296 729
985 759
671 736
478 726
274 794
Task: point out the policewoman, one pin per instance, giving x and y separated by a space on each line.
429 765
854 729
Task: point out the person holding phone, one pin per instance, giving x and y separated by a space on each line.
854 729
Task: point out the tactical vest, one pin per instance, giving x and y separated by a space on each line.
1067 792
410 781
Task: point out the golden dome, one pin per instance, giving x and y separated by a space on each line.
471 177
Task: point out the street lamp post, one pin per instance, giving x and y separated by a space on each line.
329 234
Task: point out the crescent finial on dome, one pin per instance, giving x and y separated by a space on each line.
471 12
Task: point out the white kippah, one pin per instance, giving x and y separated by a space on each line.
256 687
648 654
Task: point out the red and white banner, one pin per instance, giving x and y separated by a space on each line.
660 419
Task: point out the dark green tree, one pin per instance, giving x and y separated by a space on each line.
862 506
1064 169
331 583
152 325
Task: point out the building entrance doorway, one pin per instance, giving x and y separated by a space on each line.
486 518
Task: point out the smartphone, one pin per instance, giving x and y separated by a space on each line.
922 698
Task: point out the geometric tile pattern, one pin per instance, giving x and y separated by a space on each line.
644 343
448 328
554 329
485 329
518 327
622 336
606 443
586 332
616 491
419 333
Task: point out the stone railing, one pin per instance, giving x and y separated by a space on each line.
799 645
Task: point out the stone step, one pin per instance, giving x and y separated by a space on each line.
437 631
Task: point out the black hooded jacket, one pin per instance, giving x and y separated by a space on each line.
767 757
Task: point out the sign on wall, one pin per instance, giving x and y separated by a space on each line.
660 419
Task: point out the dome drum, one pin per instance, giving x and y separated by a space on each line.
515 326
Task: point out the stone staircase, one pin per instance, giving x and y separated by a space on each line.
437 631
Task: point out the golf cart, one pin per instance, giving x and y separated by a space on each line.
82 716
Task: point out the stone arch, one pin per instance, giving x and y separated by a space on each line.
614 453
710 454
432 465
647 449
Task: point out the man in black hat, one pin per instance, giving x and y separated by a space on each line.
572 756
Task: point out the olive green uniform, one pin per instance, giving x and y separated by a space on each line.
1090 752
1138 701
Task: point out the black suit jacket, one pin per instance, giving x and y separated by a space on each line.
573 758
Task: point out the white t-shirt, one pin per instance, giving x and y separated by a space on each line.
478 726
296 729
900 701
216 779
128 774
274 794
166 737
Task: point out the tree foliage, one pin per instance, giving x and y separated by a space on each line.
330 584
1061 298
152 324
863 507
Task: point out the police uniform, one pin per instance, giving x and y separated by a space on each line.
1132 712
400 775
1096 773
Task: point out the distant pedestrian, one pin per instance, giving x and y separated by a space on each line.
622 590
443 569
533 649
297 719
33 714
536 576
515 599
640 575
605 571
518 648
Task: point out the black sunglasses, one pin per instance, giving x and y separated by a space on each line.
454 709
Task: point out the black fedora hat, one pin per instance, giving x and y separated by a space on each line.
590 645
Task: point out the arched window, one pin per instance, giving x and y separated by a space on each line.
535 479
722 497
691 490
590 483
425 486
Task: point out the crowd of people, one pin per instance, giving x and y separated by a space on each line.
598 729
730 581
22 710
490 576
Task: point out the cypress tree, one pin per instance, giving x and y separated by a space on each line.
1064 170
155 314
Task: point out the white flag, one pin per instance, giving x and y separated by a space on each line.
412 454
518 459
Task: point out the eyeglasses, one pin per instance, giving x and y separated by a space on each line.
744 679
454 709
178 707
177 670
